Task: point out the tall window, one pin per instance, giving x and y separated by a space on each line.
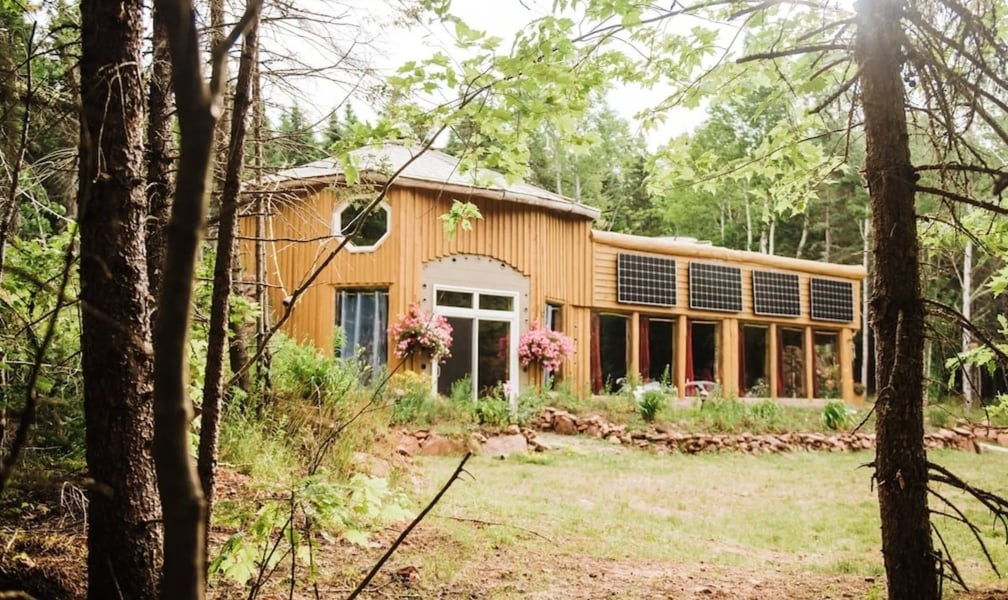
362 315
484 340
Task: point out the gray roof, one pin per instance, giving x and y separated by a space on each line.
430 169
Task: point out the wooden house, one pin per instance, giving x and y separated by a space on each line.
637 308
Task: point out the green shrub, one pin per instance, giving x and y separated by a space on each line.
939 416
302 371
767 415
724 415
410 399
835 416
492 412
529 404
461 391
650 403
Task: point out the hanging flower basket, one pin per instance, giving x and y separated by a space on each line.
544 347
421 331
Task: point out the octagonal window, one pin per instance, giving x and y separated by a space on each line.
370 233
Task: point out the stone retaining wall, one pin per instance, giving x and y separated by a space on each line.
965 437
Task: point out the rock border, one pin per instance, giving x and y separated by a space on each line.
963 437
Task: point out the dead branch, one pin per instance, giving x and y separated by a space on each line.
997 505
792 52
989 206
945 559
494 524
402 536
839 91
962 321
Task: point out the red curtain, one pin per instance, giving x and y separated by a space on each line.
741 361
644 348
689 352
596 354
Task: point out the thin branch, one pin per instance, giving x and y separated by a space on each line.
402 536
836 93
792 52
494 524
945 557
990 206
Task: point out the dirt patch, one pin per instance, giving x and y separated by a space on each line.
521 572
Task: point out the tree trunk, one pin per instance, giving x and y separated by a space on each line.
968 371
124 516
772 235
262 299
897 312
159 153
828 236
865 326
213 388
804 234
748 223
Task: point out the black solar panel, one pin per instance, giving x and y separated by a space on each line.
715 287
644 279
776 294
831 300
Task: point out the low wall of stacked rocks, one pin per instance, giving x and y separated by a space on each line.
964 437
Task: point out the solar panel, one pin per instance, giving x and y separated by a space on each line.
831 300
642 279
715 287
776 294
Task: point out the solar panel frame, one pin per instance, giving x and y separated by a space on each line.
776 294
715 287
645 279
831 300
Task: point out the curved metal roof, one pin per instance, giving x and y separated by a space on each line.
428 169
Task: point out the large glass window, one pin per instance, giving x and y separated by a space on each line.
362 316
484 340
791 362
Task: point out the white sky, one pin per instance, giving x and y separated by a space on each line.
386 48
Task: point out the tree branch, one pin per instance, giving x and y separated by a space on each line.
792 52
990 206
402 536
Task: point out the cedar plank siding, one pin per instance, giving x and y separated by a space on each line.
566 263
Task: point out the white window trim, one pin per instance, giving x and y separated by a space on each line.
337 225
512 317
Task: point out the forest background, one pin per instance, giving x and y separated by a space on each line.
97 155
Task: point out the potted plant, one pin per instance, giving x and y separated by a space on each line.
419 330
544 347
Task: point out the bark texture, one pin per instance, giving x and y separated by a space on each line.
897 313
159 152
124 517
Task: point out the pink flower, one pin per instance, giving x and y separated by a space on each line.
544 347
419 330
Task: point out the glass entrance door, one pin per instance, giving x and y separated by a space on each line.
484 341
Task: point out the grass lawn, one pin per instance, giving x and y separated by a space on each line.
808 513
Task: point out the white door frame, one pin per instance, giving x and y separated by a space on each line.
477 314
